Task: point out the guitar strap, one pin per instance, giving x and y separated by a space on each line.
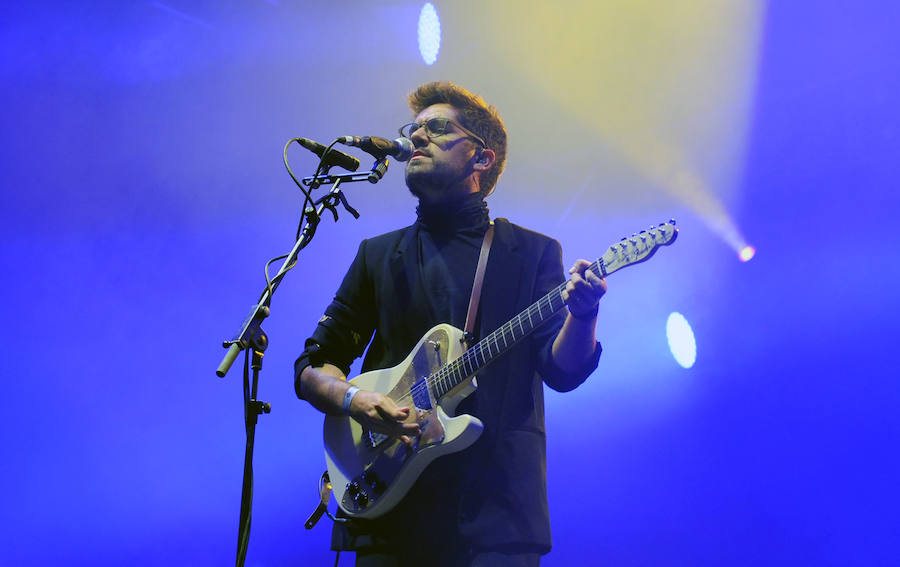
479 279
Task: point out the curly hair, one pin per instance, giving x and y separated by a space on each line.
475 114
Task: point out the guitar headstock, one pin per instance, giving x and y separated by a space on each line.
637 248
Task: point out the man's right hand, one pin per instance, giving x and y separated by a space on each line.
324 387
377 412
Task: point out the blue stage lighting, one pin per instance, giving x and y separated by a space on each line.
681 340
429 33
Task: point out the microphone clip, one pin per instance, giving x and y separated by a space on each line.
379 168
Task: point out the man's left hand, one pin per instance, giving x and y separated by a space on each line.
583 291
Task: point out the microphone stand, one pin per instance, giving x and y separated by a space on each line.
251 335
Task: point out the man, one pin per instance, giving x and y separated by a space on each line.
485 505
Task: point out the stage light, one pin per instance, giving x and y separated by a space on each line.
747 253
429 33
669 94
681 340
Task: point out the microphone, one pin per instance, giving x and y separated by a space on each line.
333 157
400 148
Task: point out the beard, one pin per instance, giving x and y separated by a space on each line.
432 184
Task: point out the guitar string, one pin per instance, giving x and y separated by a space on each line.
445 372
471 356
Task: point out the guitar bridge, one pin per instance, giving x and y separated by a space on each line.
376 439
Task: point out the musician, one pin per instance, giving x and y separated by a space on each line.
485 505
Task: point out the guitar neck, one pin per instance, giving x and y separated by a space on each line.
627 252
501 340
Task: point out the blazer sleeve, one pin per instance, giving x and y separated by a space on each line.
347 325
549 275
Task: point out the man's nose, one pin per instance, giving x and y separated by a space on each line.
419 138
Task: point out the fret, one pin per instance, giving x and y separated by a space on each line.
483 352
439 386
445 380
448 378
458 376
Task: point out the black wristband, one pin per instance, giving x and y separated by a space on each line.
586 316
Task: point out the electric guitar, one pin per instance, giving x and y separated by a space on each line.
371 472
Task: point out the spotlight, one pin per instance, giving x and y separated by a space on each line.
429 33
747 253
681 340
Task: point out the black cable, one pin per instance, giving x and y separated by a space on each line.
247 489
308 203
307 198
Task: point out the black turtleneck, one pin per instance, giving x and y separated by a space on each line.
449 239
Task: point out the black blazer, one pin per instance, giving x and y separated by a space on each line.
493 494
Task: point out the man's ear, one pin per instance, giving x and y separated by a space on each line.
484 159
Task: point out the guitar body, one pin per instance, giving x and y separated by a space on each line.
370 473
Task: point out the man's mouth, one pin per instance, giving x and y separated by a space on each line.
418 153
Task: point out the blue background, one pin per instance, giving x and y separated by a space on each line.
143 191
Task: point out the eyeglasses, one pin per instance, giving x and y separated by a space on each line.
437 127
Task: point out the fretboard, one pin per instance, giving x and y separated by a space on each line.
489 348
